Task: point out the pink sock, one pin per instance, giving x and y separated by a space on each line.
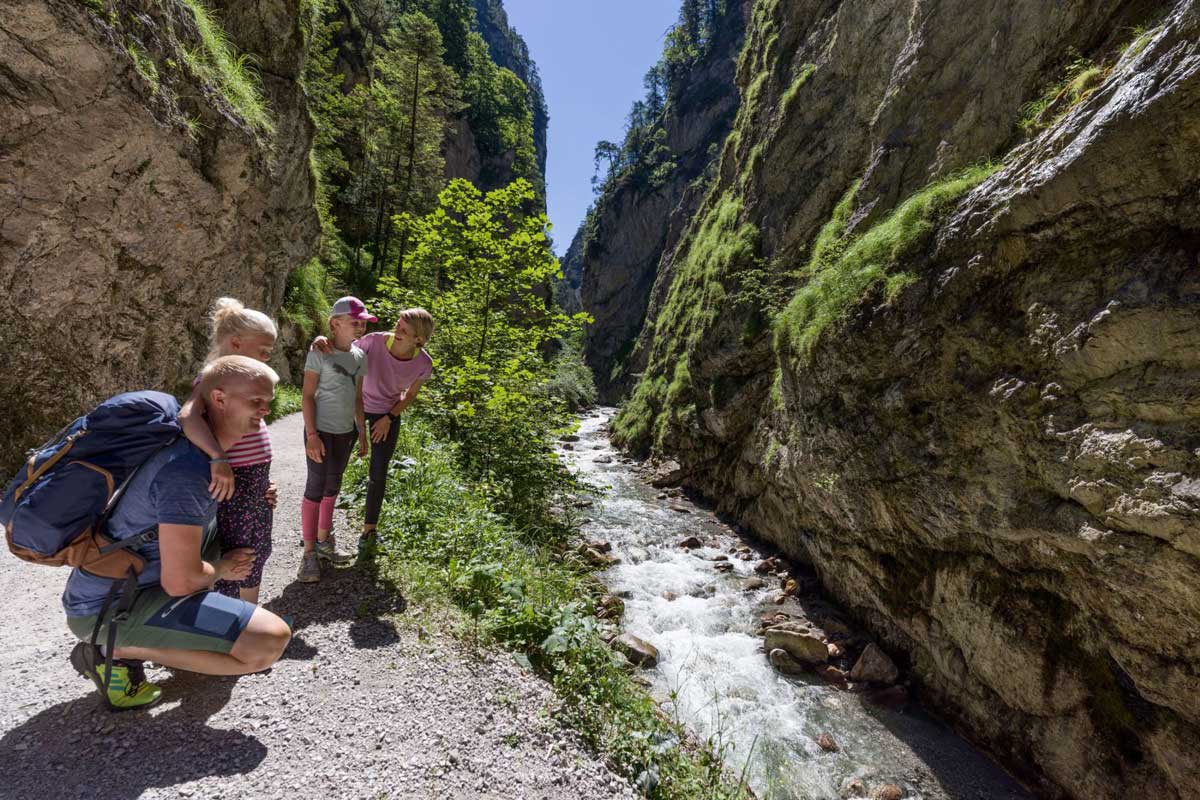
327 513
309 510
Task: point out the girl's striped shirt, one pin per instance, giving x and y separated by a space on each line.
253 448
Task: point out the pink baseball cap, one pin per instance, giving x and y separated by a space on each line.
352 307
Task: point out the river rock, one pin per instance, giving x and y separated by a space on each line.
639 652
833 675
665 473
721 557
854 787
610 607
802 646
887 791
569 437
767 566
568 446
874 665
754 584
723 566
604 459
827 743
600 545
691 543
679 508
598 559
783 661
789 587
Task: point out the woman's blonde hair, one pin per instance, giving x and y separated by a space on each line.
420 322
230 318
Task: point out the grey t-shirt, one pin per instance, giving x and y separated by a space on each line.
339 371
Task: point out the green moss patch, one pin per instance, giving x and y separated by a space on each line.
843 268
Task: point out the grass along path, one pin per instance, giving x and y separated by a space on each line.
364 704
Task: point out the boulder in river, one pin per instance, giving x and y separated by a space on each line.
827 743
666 473
802 646
887 791
600 545
691 543
639 652
723 566
874 665
604 459
754 584
570 437
783 661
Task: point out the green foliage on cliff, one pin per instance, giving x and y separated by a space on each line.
232 73
844 267
721 244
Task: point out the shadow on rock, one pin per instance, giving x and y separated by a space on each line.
80 749
346 593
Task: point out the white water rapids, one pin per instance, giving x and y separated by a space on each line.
713 676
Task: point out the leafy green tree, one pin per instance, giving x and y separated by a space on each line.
481 264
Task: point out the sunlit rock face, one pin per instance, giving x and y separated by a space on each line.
996 462
132 193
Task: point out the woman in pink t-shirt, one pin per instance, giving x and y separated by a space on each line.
397 366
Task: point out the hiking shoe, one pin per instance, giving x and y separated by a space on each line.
310 568
368 546
327 550
128 689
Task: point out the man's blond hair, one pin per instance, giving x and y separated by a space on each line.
226 370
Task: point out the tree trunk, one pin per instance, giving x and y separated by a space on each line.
412 157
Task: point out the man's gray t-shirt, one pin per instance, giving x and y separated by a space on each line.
338 387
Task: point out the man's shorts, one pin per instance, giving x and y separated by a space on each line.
202 621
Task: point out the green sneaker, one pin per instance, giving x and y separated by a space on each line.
368 546
327 551
128 689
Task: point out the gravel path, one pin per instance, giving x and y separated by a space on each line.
361 704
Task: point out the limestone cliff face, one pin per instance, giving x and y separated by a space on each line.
994 462
634 224
134 190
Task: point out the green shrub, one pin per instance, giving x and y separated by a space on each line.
1082 77
572 381
145 67
843 268
288 400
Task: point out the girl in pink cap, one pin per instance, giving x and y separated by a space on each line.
397 368
333 421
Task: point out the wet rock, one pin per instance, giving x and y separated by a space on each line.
660 496
584 503
675 491
827 743
665 473
679 508
767 566
691 543
598 559
611 607
597 447
833 675
887 791
570 437
723 566
779 599
600 545
787 664
720 558
639 652
875 666
790 587
754 584
604 459
854 788
568 447
802 646
670 597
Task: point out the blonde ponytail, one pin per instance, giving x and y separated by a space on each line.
230 318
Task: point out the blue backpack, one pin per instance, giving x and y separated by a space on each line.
54 511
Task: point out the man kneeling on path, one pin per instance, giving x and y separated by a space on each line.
175 618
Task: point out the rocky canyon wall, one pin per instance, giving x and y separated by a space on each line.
139 181
934 330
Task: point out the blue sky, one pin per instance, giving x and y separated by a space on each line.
592 55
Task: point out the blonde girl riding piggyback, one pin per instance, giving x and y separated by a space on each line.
333 422
397 367
241 477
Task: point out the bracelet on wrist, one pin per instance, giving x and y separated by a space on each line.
221 460
393 417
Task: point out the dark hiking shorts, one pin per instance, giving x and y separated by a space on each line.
206 621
